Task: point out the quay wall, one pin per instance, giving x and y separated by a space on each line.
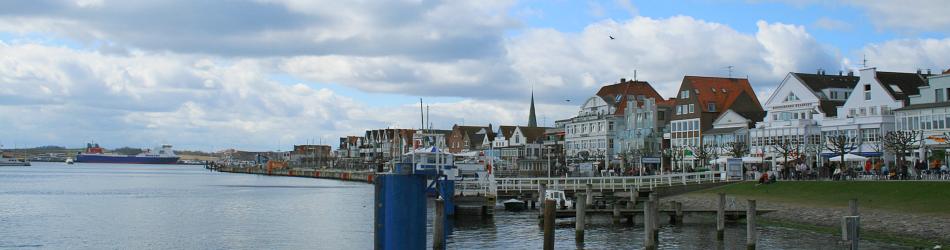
343 175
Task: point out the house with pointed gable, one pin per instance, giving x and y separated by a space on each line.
467 138
702 99
591 134
727 128
868 114
796 109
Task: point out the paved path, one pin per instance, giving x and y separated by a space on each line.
934 227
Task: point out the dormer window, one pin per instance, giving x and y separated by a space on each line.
711 107
791 97
684 94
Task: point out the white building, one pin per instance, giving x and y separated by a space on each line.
928 112
868 113
590 133
729 127
796 110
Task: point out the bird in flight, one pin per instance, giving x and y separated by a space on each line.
611 37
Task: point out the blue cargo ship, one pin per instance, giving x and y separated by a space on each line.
94 154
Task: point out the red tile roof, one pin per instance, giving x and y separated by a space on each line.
711 90
624 89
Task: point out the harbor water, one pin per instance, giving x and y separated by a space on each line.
114 206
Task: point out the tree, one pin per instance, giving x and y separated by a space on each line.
841 145
738 149
901 143
786 147
675 154
703 152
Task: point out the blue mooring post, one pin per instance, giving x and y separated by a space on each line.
447 190
400 211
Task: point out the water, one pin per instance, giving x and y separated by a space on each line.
108 206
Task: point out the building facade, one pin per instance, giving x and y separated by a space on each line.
929 113
699 102
868 113
795 112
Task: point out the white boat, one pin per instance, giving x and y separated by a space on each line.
12 162
559 198
69 161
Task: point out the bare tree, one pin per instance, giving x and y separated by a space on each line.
901 143
738 148
842 144
787 147
703 152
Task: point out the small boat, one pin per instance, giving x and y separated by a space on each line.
514 205
4 161
69 161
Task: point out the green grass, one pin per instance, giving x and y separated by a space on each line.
911 196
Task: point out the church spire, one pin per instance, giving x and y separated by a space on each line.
532 119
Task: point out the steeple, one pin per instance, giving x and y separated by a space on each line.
532 119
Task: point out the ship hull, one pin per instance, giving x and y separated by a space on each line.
126 159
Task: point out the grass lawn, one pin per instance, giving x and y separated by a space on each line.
910 196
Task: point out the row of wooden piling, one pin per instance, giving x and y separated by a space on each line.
850 224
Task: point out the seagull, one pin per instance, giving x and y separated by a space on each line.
611 37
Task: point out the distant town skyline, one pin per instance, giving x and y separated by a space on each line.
265 75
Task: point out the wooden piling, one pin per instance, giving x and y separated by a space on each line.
580 220
750 226
617 212
721 217
655 223
678 212
649 242
438 228
548 208
853 207
851 231
633 199
590 197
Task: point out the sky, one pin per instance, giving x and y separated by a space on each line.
268 74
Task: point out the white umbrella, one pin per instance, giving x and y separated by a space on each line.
719 161
848 157
750 159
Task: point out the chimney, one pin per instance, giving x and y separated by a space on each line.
622 80
839 72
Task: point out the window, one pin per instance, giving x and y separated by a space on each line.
867 87
660 115
938 95
846 94
791 97
873 110
864 111
691 108
867 96
711 106
834 94
684 94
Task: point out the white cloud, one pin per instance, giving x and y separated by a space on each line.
908 55
832 24
908 16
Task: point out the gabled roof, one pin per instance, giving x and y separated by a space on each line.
624 89
506 131
533 134
819 82
830 107
711 90
906 84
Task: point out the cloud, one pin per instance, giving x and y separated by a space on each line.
908 55
832 24
434 30
908 16
662 51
